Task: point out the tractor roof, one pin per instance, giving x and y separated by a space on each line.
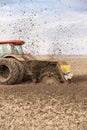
15 42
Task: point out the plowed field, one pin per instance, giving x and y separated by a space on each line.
29 106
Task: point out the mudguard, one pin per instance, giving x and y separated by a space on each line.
15 56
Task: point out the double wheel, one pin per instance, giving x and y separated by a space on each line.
11 71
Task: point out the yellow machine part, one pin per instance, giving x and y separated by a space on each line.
65 68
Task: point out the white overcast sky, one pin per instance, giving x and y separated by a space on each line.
47 26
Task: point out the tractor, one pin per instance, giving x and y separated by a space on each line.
16 66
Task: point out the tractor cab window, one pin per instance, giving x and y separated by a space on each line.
5 49
9 49
17 49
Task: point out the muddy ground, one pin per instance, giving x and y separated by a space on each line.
28 106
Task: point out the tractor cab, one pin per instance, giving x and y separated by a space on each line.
11 47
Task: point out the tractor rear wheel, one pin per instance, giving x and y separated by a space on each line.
21 71
8 71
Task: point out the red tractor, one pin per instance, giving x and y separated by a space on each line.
15 66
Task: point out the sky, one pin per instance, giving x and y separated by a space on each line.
56 27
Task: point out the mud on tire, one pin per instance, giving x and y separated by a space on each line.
8 71
21 69
49 75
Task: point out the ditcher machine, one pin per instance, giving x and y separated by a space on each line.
16 66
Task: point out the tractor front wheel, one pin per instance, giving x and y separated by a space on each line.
49 76
49 80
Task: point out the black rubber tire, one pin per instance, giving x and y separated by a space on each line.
49 76
8 71
21 69
49 80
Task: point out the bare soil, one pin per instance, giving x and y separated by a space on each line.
29 106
